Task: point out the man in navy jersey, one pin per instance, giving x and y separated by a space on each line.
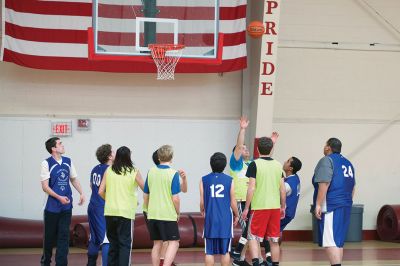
334 181
56 174
97 222
292 187
217 201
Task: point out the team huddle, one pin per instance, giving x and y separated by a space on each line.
261 195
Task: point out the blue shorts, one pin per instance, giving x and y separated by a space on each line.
285 221
213 246
333 227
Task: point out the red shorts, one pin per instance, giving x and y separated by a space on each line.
264 224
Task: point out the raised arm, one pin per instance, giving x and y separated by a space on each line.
244 123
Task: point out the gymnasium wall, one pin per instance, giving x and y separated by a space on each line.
348 90
22 141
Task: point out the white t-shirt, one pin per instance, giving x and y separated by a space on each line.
45 173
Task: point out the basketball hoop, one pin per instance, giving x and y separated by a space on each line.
166 56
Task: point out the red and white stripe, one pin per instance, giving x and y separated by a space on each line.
53 35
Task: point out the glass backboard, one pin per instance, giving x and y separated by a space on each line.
127 27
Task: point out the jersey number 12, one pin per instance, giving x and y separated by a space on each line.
216 191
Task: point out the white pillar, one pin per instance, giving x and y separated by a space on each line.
267 71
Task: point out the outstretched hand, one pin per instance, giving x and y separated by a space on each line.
244 122
274 136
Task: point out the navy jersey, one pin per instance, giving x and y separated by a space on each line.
95 180
291 200
59 183
341 186
217 205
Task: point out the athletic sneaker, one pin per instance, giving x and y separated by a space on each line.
268 261
234 255
240 263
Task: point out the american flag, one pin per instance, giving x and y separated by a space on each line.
54 35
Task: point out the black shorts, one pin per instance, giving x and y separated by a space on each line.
163 230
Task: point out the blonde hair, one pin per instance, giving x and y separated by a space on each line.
165 153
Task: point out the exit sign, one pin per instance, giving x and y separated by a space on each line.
61 129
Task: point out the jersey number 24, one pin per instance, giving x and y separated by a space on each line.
347 171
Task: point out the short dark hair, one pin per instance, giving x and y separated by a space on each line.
265 145
103 153
295 164
51 143
218 162
155 158
335 144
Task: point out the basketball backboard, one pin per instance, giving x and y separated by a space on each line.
126 28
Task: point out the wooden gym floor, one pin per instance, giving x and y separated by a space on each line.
294 253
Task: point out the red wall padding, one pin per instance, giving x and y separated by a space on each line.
388 223
80 237
24 233
21 233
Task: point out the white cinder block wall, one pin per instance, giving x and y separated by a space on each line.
348 90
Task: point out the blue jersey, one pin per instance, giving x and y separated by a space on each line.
217 205
341 186
59 183
291 200
95 180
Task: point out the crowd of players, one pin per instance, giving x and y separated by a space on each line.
261 195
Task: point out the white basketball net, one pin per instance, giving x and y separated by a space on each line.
166 56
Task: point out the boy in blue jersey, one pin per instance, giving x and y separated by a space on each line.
56 174
292 187
334 182
217 201
97 223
